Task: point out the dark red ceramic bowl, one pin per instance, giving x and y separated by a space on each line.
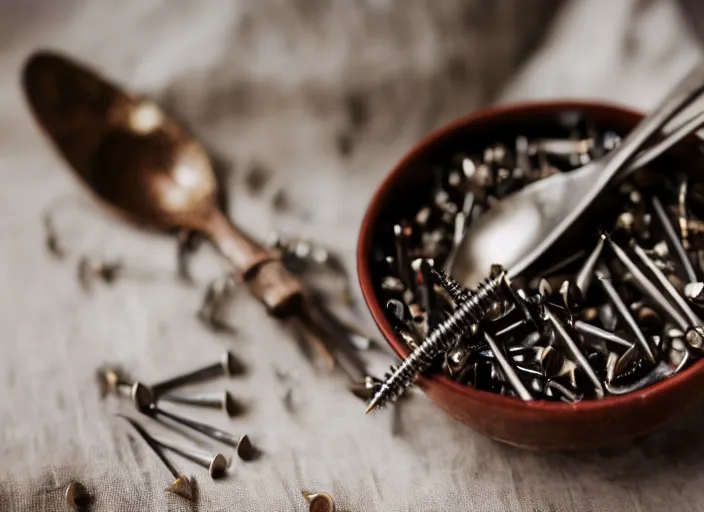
539 424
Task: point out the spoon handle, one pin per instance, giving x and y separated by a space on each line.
262 270
683 95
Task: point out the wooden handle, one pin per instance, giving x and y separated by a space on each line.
261 269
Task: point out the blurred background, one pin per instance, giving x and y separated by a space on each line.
327 96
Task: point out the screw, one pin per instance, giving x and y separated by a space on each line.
228 366
602 334
364 390
397 380
144 402
215 464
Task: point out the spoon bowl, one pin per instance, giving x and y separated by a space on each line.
124 148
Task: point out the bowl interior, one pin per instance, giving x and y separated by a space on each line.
409 184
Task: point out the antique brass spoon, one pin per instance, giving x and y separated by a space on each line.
148 170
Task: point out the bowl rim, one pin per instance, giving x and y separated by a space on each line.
495 400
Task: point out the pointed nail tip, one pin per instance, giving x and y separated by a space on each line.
182 487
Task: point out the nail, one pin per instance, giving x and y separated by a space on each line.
576 353
508 370
586 272
143 400
551 361
404 266
215 464
647 286
566 395
571 297
628 359
319 501
602 334
661 372
673 240
626 316
218 400
667 286
77 496
695 293
182 485
611 362
649 319
228 366
682 213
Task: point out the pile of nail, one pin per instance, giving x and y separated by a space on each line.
147 399
618 314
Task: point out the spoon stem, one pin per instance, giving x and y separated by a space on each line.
266 276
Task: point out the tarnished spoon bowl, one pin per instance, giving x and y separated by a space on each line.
539 425
145 167
123 147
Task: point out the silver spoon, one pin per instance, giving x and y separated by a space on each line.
545 209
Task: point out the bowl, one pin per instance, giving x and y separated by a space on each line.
537 425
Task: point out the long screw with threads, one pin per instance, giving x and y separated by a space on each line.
470 309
